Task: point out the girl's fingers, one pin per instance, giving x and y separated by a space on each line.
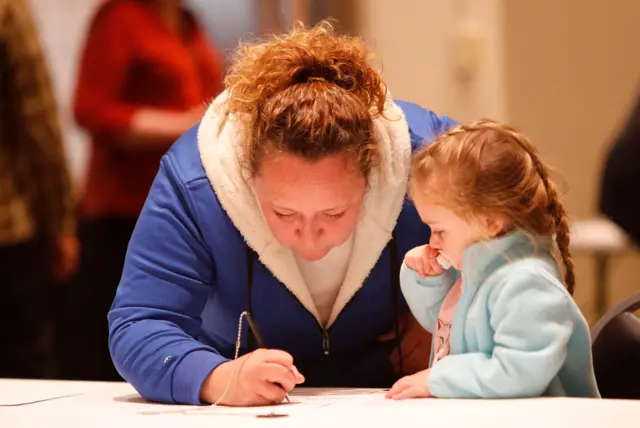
397 388
411 392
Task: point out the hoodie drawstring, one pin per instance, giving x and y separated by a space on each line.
395 298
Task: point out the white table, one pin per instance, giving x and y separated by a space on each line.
117 405
601 238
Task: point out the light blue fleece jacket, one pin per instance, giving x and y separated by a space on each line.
516 330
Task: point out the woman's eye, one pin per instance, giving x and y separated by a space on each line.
282 215
335 216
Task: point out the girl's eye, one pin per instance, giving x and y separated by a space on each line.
438 232
335 216
281 215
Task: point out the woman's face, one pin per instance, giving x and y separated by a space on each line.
310 207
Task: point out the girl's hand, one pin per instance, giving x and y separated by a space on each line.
423 260
414 386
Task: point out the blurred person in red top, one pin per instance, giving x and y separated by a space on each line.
146 74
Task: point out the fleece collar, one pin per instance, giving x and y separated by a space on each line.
220 140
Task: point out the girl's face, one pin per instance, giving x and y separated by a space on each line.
451 235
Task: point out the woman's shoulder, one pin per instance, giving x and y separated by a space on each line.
184 158
424 125
182 182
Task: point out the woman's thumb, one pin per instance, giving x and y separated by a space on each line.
298 376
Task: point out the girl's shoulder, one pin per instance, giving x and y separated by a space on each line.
527 280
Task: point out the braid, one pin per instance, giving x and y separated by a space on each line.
556 210
554 207
562 234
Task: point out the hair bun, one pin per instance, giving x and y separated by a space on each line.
259 71
313 73
330 71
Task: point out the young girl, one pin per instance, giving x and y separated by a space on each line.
487 285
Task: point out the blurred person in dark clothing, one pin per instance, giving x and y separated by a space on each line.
146 74
37 228
620 186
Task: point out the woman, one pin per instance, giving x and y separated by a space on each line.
145 75
288 201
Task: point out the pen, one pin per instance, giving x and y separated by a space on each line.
261 344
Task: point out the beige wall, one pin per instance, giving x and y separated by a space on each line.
572 74
417 43
564 72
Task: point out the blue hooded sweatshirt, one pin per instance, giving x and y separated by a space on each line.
201 254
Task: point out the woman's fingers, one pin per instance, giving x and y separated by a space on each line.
270 392
264 377
278 374
284 359
297 375
275 356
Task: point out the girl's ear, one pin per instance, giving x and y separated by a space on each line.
495 226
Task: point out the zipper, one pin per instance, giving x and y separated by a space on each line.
323 330
325 341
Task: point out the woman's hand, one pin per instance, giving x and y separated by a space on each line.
422 259
261 377
414 386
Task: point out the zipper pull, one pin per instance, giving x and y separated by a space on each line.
325 342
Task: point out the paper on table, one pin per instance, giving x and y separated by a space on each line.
14 392
303 400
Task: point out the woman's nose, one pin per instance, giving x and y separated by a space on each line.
309 232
